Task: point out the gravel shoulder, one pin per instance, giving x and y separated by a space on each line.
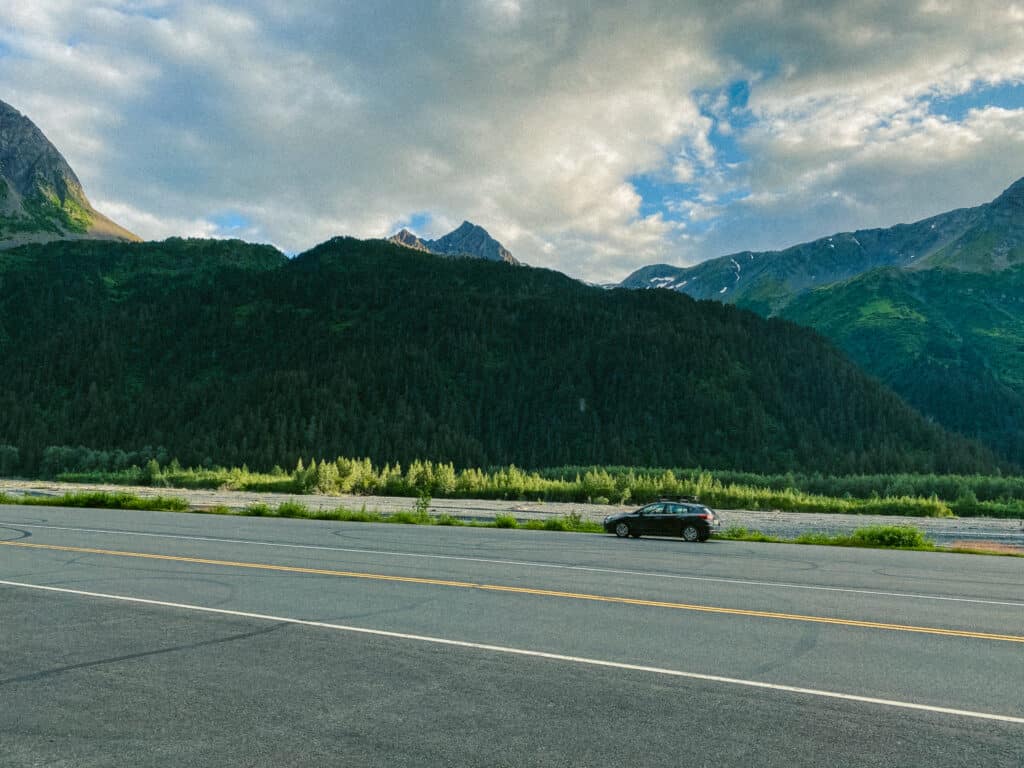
775 523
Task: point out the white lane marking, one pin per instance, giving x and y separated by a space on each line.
530 564
528 652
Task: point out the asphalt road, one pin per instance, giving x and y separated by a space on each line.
176 639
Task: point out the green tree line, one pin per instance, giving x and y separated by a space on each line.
228 353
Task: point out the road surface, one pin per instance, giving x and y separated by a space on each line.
136 638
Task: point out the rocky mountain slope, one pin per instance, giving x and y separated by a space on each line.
468 241
41 198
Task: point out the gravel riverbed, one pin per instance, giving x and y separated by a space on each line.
775 523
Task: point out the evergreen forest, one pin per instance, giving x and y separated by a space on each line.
227 353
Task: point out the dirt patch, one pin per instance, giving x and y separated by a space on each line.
996 547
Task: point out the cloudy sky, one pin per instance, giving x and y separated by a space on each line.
591 137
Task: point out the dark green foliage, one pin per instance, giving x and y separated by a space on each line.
890 536
963 492
875 537
101 500
600 486
9 459
292 509
951 343
223 352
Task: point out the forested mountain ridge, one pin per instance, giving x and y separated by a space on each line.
935 309
228 352
986 238
950 342
41 198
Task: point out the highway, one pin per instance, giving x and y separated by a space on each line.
147 638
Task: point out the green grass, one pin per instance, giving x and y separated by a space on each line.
102 500
874 537
739 533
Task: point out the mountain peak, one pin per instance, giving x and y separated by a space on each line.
408 240
468 241
1013 196
471 240
41 198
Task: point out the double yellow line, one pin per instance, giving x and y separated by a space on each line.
529 591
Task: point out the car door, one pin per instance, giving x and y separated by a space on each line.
650 519
674 519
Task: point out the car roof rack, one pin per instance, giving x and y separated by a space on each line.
692 499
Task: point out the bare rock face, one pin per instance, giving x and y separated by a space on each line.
409 240
471 240
41 198
468 241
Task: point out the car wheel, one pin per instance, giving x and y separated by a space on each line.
622 530
691 532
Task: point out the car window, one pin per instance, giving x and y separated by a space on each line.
653 509
675 509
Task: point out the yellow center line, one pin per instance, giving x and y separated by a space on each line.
529 591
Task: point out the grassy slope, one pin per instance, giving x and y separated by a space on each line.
951 343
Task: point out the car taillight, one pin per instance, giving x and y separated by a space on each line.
705 516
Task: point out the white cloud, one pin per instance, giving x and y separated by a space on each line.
526 117
155 227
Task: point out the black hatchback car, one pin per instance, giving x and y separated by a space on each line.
694 522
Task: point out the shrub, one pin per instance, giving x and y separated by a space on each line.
891 536
505 521
292 509
405 517
448 520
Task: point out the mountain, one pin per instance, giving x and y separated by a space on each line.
468 241
950 342
41 198
934 309
407 239
987 238
223 352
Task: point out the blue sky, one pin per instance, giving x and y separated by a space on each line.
589 136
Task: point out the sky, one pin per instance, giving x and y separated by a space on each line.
589 137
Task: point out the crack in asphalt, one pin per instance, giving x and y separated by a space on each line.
23 534
43 674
